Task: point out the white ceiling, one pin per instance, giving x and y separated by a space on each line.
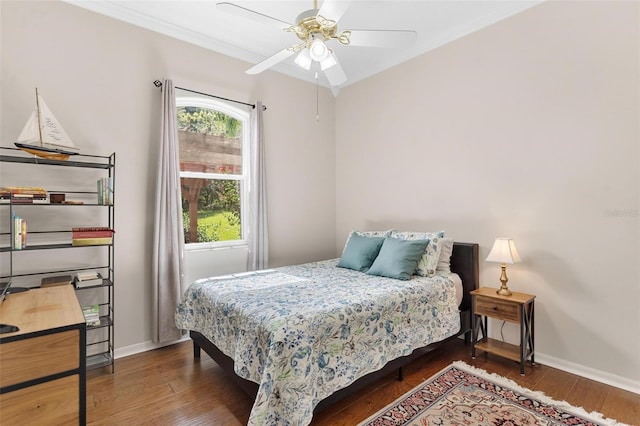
436 22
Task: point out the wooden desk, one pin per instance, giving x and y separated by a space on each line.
43 365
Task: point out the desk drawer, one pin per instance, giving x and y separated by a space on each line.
497 309
40 356
50 403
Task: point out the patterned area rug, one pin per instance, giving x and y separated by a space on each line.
464 395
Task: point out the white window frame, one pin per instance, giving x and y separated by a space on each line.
240 115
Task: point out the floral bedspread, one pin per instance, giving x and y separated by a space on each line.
302 332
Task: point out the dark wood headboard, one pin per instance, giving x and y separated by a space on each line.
464 262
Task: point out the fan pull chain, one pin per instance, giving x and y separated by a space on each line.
317 101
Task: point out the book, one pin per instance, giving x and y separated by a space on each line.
28 200
24 233
17 232
23 190
86 280
87 275
88 283
105 191
91 234
100 192
55 281
91 315
91 241
95 232
26 196
109 191
91 228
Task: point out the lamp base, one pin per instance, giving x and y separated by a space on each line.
504 291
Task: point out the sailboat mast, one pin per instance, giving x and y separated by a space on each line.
38 113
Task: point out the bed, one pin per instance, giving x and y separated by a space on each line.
338 335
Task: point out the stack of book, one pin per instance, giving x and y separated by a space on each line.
23 195
55 281
87 279
91 236
91 315
19 230
105 191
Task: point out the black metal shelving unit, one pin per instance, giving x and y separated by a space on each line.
104 355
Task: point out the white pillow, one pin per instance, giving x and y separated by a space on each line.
382 234
444 261
429 261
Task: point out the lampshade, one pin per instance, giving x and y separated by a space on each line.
503 251
304 59
318 50
329 61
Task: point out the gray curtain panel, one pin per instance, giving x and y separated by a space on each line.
168 242
257 233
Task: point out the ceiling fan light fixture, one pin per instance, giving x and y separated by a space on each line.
328 62
304 59
318 50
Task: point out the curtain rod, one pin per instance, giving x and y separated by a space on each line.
158 83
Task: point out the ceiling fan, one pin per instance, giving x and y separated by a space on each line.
315 29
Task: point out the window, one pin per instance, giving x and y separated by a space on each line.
213 138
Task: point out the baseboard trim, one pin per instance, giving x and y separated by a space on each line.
144 347
589 373
560 364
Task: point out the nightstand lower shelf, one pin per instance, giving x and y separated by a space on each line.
498 347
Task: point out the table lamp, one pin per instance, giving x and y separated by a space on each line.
503 251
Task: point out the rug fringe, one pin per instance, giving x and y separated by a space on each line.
593 416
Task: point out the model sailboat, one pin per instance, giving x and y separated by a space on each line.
44 136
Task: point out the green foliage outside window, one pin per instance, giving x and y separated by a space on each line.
218 200
218 213
221 195
212 226
203 120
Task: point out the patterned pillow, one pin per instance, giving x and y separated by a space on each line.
428 263
381 234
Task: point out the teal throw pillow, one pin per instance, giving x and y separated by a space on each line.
360 252
398 258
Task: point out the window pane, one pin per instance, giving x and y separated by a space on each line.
210 210
210 141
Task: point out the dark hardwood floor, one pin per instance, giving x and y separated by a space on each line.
169 387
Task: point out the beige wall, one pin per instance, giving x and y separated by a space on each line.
96 74
527 129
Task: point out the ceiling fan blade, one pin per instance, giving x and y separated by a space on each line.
270 61
251 14
335 74
382 38
333 9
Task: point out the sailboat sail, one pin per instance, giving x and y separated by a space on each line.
43 135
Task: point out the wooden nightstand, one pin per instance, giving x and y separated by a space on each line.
518 308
